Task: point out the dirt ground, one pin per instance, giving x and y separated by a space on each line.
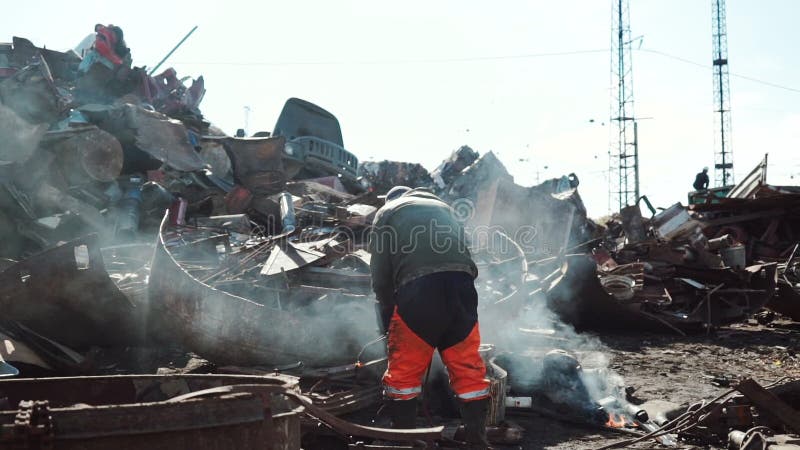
680 370
677 369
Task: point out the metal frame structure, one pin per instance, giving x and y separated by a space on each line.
723 155
624 149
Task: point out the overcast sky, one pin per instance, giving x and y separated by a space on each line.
414 80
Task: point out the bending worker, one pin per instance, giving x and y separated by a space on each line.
423 277
701 180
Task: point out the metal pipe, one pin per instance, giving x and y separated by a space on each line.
172 51
287 212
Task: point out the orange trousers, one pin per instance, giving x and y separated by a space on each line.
410 356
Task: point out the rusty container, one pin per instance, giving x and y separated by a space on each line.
497 387
149 411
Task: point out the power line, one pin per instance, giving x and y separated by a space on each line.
766 83
706 66
400 61
476 59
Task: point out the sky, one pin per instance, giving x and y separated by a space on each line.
414 80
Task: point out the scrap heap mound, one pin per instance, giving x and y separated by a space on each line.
135 223
258 261
687 269
82 134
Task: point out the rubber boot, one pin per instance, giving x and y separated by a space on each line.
474 416
403 413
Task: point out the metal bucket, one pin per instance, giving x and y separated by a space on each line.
497 387
621 287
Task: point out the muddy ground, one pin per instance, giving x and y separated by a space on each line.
681 370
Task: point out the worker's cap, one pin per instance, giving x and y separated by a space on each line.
396 192
705 169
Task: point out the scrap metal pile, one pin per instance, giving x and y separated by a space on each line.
134 231
688 269
746 417
80 131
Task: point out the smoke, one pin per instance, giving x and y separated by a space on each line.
18 138
338 327
543 355
528 338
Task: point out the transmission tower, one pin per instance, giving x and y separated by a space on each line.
624 149
723 155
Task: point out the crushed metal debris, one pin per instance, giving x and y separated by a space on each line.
136 235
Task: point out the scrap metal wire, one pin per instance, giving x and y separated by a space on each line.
259 251
378 339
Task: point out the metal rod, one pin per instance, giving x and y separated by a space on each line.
791 257
663 322
172 51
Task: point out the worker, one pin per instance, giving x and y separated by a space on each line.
701 180
423 277
110 43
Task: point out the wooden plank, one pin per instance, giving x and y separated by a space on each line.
769 403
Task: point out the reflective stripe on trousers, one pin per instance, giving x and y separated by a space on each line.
474 395
409 357
393 392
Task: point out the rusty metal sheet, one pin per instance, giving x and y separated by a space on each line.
20 345
163 138
32 93
214 154
156 135
633 223
541 223
69 283
673 221
63 65
257 162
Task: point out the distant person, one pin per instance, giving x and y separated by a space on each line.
701 180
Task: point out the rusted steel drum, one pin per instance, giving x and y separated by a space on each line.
89 152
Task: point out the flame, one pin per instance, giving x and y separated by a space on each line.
616 421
